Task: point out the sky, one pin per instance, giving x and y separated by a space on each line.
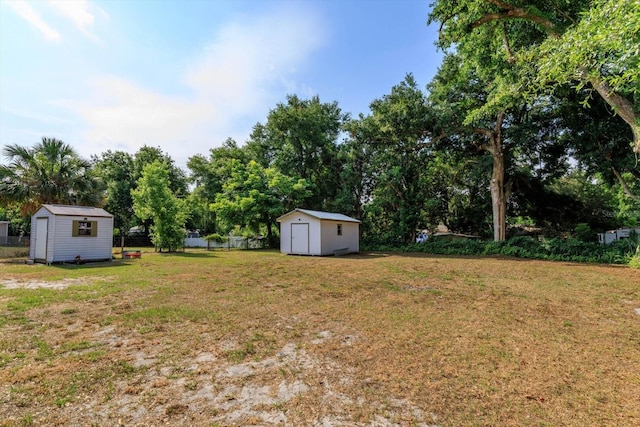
186 75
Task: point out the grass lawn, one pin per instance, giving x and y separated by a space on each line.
259 338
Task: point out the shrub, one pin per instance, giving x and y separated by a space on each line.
634 262
557 249
584 233
215 237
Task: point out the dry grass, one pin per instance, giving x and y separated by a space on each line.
259 338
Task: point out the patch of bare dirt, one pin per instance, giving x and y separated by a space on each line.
206 386
165 385
36 284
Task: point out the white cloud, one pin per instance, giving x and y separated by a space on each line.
29 14
129 116
245 60
230 85
78 11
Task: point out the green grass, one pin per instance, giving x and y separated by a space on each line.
475 341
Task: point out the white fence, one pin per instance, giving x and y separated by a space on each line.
233 242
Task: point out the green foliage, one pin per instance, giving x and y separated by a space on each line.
153 199
254 197
116 170
584 233
18 224
634 261
400 163
49 172
122 171
556 249
215 237
300 139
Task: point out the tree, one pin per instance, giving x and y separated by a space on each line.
153 199
208 175
300 138
176 176
460 95
397 137
121 172
116 169
585 41
601 50
253 197
355 185
49 172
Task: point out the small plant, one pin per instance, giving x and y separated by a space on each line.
26 420
634 262
216 238
191 385
43 349
584 233
67 396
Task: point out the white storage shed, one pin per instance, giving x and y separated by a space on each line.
307 232
62 233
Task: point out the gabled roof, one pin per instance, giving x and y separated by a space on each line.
70 210
321 215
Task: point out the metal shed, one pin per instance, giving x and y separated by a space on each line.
307 232
63 233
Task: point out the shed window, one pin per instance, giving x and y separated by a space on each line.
339 229
85 229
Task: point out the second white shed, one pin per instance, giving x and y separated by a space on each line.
307 232
63 233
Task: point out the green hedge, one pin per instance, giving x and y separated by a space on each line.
557 249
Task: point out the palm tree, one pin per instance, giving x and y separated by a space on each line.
50 172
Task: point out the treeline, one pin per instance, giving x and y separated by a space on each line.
530 127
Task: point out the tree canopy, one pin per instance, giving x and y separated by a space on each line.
49 172
153 199
525 128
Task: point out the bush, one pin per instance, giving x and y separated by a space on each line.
634 262
215 237
557 249
584 233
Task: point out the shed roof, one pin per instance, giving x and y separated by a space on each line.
321 215
70 210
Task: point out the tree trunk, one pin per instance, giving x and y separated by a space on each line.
497 186
498 195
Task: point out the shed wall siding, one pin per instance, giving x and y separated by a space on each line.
349 239
315 230
63 247
323 235
351 231
40 213
88 248
285 237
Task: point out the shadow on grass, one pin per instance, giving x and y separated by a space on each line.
95 264
188 254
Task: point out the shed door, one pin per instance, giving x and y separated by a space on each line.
299 238
42 231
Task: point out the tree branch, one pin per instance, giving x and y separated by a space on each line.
621 105
510 58
625 186
512 12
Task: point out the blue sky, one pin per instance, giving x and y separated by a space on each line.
185 75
